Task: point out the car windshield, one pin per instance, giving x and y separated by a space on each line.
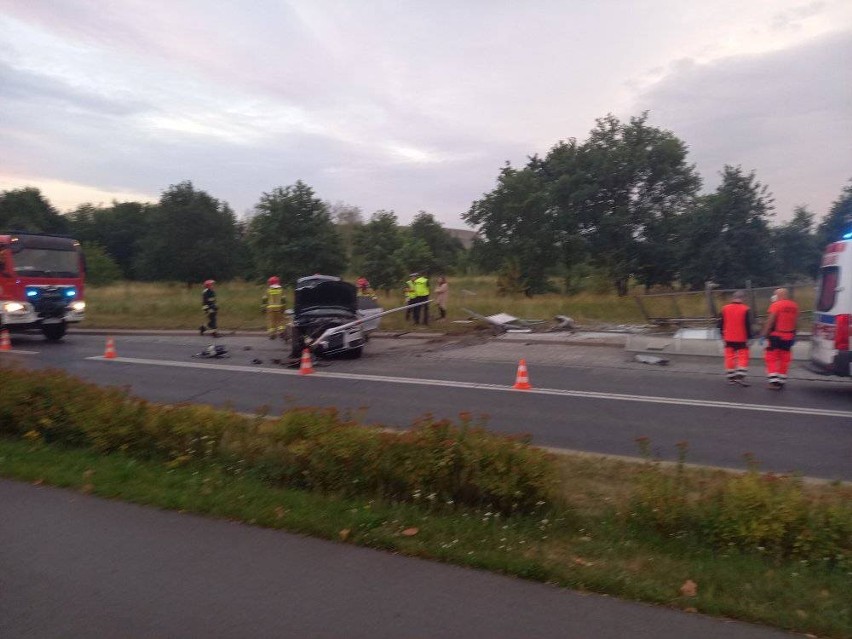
40 262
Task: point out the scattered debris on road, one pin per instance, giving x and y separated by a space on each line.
214 351
650 359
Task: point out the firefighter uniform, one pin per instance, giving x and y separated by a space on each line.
273 306
735 325
210 308
781 328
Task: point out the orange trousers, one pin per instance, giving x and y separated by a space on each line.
736 359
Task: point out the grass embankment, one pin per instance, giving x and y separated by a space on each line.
176 306
756 547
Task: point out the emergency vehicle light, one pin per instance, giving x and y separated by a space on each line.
70 292
848 236
32 292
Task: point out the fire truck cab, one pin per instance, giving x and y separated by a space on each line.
41 283
830 354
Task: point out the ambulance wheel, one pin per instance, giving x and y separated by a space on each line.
54 332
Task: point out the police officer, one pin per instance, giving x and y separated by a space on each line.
780 328
273 306
210 308
735 325
408 291
421 294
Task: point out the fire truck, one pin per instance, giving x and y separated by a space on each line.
41 283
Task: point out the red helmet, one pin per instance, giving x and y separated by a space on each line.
209 283
272 281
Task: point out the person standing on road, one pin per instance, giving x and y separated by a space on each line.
780 329
210 308
421 294
735 325
442 292
409 296
273 306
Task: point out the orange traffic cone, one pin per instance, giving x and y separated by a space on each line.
109 352
522 380
306 367
5 342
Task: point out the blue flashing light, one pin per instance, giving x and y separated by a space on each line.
847 236
32 292
70 292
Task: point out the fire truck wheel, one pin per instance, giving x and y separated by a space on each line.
54 332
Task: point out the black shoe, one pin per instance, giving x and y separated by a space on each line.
201 330
774 386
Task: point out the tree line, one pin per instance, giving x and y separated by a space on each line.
624 205
190 236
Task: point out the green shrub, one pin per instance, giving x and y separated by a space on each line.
752 511
317 449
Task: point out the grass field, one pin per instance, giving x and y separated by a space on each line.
176 306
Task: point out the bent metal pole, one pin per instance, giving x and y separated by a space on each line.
339 329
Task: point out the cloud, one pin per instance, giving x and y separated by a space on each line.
785 114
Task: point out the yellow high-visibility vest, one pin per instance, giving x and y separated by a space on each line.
421 287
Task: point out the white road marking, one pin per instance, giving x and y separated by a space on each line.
647 399
15 351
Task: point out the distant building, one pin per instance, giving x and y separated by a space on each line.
464 235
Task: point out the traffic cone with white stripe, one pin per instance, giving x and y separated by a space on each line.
306 367
109 351
5 342
522 380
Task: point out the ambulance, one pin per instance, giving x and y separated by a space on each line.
830 354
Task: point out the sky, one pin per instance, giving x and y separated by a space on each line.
409 106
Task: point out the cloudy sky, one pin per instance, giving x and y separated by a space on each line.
410 105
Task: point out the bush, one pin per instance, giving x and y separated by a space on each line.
315 449
753 511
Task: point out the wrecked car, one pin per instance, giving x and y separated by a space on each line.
323 303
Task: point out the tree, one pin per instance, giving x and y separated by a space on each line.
347 218
28 210
632 184
100 267
414 255
442 247
292 235
726 239
795 246
377 245
118 229
839 219
518 225
191 236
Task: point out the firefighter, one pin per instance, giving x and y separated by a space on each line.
273 306
735 324
421 294
780 329
210 308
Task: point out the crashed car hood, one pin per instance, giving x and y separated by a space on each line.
316 294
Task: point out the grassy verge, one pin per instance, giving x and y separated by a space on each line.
583 546
176 306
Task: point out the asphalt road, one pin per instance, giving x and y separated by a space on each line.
584 398
78 566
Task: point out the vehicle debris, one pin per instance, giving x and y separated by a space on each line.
214 351
650 359
505 323
563 323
